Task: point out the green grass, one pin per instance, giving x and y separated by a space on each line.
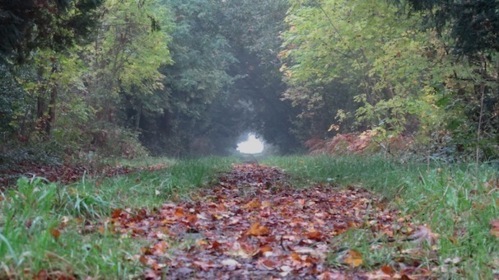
456 201
31 213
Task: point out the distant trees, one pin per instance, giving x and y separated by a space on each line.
190 76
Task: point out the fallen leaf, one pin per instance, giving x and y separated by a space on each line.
253 204
55 233
353 258
388 270
494 227
315 235
330 276
179 212
160 248
424 234
258 230
116 213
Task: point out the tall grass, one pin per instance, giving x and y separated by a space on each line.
456 201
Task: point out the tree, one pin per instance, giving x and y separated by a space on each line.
473 24
348 61
56 24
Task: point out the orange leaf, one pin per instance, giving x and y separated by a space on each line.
143 260
116 213
192 219
388 270
55 233
253 204
353 258
265 249
315 235
295 256
179 212
258 230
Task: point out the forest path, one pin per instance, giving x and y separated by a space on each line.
254 225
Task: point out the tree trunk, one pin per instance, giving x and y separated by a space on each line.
51 113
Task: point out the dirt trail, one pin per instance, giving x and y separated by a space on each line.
253 225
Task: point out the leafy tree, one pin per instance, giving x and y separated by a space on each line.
404 79
470 30
56 24
473 24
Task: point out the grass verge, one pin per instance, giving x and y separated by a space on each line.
455 201
47 230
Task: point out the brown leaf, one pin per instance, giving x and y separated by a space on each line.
268 264
258 230
388 270
55 233
160 248
494 227
42 275
353 258
116 213
422 234
315 235
179 212
253 204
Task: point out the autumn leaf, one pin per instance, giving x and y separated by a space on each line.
353 258
388 270
258 230
116 213
55 233
494 227
253 204
315 235
160 248
179 212
424 234
267 264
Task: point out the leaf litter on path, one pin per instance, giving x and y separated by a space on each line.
254 225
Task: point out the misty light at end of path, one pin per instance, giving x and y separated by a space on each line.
252 145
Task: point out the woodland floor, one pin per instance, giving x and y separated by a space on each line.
253 224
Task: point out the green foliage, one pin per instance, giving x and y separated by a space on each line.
361 60
26 26
474 25
76 96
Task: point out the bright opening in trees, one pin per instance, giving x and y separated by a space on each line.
252 145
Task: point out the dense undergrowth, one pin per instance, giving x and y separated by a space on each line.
54 229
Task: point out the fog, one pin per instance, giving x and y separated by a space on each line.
252 145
